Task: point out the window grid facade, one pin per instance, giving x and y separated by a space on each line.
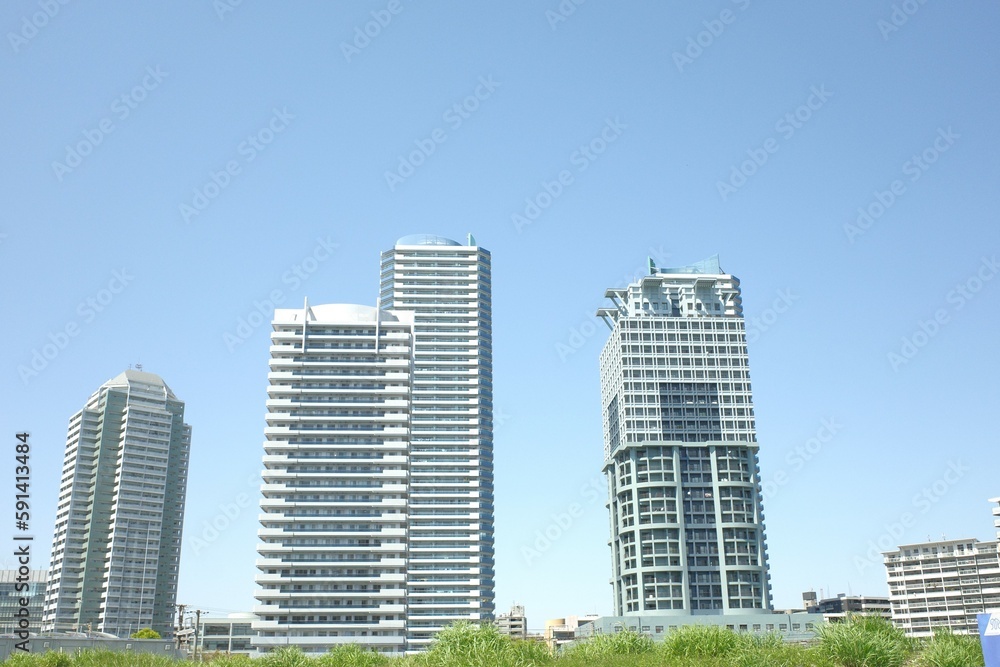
391 444
448 288
680 447
942 584
116 548
333 539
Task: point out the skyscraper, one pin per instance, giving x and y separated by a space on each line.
448 287
377 524
116 549
333 537
680 447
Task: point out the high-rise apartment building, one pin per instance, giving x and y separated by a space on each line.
116 549
450 568
942 584
680 447
377 524
333 537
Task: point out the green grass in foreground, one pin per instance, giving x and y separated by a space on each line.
859 642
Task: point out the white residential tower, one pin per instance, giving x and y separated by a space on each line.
377 509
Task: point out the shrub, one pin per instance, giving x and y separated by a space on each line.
780 655
864 641
702 641
602 647
286 656
351 655
145 633
465 644
948 650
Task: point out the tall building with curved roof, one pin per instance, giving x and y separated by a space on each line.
116 548
377 508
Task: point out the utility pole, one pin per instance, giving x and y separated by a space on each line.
180 624
197 625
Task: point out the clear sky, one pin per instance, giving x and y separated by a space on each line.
169 170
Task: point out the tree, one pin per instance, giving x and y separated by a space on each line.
146 633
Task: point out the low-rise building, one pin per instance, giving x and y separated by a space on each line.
231 634
942 584
32 588
559 631
74 642
514 623
793 627
836 609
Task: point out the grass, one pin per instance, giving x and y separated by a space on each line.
865 641
860 641
948 650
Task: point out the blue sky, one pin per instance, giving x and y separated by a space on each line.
170 170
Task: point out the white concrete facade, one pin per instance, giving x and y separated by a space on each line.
680 446
333 537
450 568
996 515
942 584
403 392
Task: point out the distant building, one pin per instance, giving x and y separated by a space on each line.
942 584
10 599
809 599
74 642
795 627
838 608
559 631
117 543
231 635
514 623
996 513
